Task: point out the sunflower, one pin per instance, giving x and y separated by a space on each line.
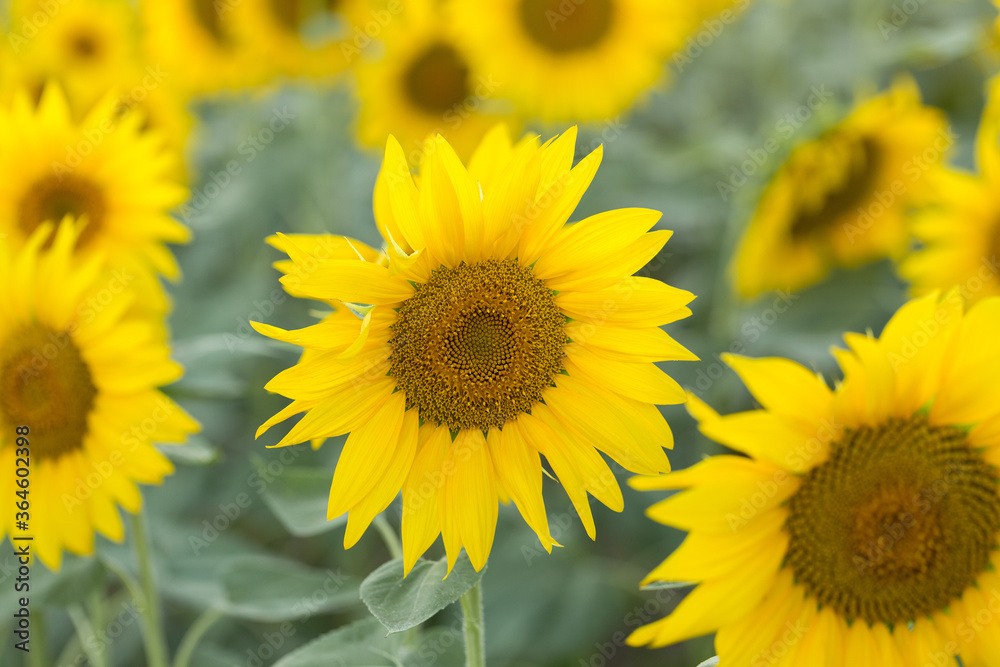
960 226
492 333
196 42
422 85
85 46
111 174
82 375
301 37
841 199
569 60
862 527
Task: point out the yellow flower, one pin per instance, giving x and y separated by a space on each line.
84 45
493 333
421 86
196 42
82 376
862 526
960 225
572 61
110 174
301 37
841 200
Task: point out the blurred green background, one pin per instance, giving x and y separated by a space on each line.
221 524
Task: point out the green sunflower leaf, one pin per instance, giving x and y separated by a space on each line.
268 589
363 644
400 604
298 497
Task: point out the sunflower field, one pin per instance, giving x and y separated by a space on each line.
528 333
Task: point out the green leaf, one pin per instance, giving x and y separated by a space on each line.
400 604
265 588
77 579
299 498
361 644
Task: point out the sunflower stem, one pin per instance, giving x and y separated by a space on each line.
194 634
95 607
88 637
389 536
38 656
473 627
156 647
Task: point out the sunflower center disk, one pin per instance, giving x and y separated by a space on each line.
45 384
54 197
289 13
562 27
85 46
476 345
207 14
858 173
896 524
437 80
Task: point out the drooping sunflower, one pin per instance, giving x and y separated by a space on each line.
863 525
422 85
85 46
841 200
959 227
112 174
493 334
572 61
83 376
196 42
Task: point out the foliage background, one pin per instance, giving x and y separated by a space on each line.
572 608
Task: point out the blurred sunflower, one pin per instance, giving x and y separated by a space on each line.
83 376
111 175
493 332
863 527
301 37
163 110
85 46
960 227
422 85
195 41
571 61
841 200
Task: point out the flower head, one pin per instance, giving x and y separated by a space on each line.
865 517
958 225
81 371
103 171
494 334
841 200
